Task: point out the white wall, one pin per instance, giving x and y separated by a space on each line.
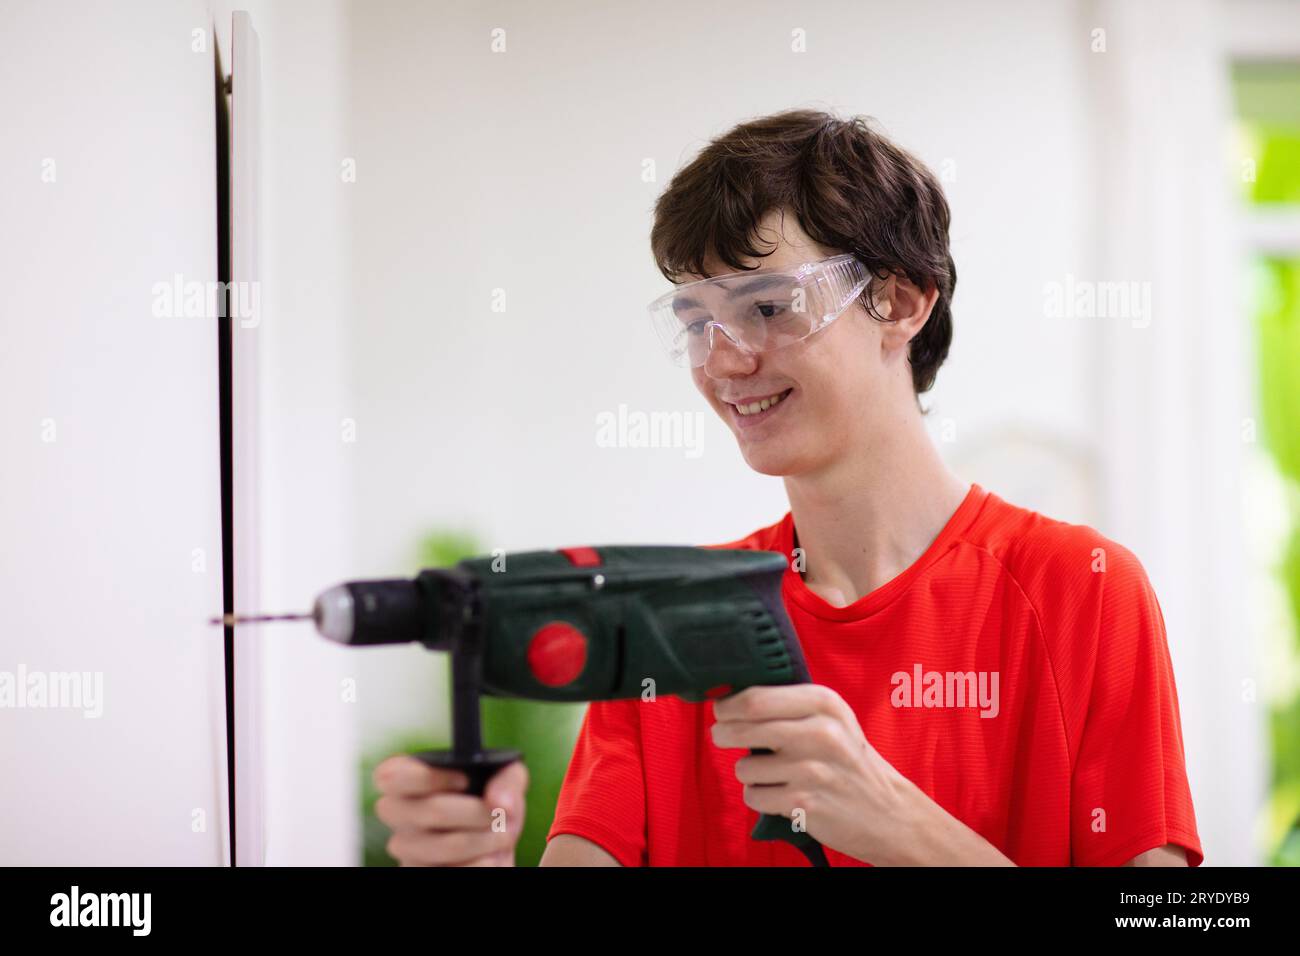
1174 390
109 487
308 714
101 523
308 505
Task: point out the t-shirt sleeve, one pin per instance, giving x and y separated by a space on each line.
1129 791
603 795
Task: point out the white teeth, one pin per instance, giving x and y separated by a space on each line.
760 406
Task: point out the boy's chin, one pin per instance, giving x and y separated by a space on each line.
777 462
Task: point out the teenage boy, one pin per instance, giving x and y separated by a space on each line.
990 686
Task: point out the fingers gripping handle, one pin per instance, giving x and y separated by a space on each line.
479 768
771 827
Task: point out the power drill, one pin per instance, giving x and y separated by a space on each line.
583 624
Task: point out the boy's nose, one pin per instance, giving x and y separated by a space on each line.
726 356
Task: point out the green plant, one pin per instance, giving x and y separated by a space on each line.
1268 101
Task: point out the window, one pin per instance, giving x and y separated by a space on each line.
1267 137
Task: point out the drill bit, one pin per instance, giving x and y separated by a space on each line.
232 619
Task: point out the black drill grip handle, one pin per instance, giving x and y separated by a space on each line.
772 827
767 588
479 768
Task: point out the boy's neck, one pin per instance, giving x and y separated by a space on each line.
870 515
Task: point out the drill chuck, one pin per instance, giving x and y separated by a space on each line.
333 614
431 609
371 612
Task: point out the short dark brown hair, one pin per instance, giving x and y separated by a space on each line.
851 189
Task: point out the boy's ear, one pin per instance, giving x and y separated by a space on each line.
907 307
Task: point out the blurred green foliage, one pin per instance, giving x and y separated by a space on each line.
1268 107
1277 333
544 732
1277 330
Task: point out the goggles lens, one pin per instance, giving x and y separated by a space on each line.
757 311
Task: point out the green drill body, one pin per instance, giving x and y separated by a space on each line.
671 620
585 624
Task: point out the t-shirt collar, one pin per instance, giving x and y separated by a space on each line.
795 590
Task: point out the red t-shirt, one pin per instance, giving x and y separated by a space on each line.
1079 760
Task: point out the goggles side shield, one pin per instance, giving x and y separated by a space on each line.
759 311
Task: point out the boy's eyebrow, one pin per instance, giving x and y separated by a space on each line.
758 282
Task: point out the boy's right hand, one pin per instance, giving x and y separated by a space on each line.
435 823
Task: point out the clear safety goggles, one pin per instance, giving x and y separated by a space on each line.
758 311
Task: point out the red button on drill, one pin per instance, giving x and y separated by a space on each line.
557 653
582 557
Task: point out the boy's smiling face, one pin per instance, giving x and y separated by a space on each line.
837 387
